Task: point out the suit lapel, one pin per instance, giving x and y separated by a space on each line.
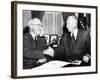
69 42
78 38
32 40
79 35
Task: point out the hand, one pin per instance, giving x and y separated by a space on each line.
86 58
43 60
49 51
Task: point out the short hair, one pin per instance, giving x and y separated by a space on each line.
34 20
72 17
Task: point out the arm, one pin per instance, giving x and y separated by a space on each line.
87 45
59 51
29 52
87 49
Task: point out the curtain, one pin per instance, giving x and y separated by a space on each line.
53 22
37 14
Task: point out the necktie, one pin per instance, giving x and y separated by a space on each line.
36 40
73 39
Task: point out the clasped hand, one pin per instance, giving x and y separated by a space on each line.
49 51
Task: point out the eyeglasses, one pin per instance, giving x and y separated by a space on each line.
38 25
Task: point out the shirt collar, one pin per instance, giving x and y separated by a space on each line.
75 33
33 35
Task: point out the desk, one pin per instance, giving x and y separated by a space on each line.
57 64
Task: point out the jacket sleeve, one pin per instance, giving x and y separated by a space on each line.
59 51
29 52
87 45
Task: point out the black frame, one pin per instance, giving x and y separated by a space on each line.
14 37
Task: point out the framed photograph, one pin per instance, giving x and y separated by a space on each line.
28 46
53 37
54 40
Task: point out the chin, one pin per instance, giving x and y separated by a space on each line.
69 30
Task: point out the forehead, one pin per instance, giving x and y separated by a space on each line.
34 21
71 19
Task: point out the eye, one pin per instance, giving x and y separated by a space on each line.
40 25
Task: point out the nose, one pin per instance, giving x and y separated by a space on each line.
39 28
67 25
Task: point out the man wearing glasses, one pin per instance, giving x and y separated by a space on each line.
35 50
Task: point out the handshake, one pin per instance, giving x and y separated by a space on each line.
49 51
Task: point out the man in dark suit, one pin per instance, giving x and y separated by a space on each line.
75 44
35 50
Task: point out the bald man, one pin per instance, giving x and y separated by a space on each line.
75 44
35 50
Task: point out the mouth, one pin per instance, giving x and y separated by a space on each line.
68 29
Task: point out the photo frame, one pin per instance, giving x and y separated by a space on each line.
22 12
54 40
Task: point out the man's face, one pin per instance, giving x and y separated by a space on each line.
71 23
37 29
36 26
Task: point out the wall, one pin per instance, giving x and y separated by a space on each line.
26 18
52 21
5 40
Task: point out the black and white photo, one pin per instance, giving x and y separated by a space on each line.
53 39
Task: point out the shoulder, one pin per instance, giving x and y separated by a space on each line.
26 35
65 34
85 33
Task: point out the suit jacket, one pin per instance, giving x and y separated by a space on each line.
66 50
32 50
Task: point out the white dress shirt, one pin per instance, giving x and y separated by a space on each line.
33 36
75 33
